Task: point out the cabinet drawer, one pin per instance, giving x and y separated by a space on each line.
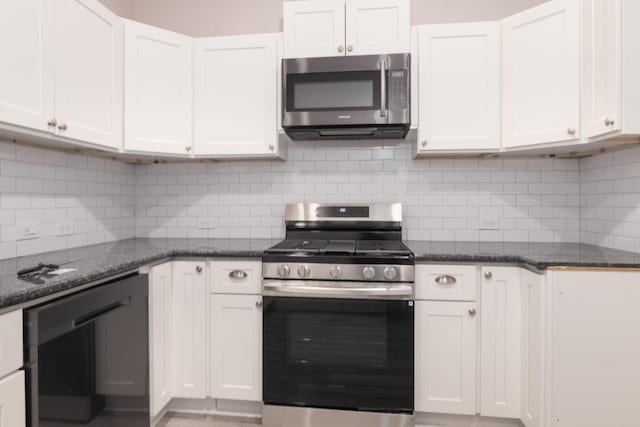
236 277
446 282
12 401
10 342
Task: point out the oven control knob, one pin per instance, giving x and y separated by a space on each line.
335 271
304 271
283 270
368 272
390 273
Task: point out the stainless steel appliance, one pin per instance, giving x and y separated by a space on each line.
87 357
338 319
347 97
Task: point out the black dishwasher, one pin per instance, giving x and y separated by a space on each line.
87 357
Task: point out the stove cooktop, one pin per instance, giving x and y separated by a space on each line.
340 247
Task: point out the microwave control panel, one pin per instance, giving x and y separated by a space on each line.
398 81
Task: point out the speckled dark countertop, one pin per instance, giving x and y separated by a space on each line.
98 262
537 255
102 261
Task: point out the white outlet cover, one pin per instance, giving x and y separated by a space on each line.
205 224
27 231
491 223
64 228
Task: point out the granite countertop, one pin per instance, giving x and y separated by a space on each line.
98 262
539 256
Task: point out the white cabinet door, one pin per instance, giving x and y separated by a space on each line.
500 342
88 72
11 349
189 329
236 80
12 401
160 337
531 397
445 357
236 352
459 80
378 27
314 28
595 349
158 90
601 58
541 75
26 74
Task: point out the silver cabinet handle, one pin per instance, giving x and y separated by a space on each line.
424 143
383 89
199 269
62 126
349 48
258 303
271 147
188 148
609 122
571 131
446 279
488 275
52 123
340 49
238 274
472 312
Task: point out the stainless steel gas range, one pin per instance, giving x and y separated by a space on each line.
338 319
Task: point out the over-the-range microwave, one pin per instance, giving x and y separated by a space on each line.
347 97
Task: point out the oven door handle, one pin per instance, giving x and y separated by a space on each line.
351 290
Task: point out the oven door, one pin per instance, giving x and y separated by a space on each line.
346 91
353 354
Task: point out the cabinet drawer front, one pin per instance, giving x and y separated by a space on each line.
236 277
446 282
12 401
10 342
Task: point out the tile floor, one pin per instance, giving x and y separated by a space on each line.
182 420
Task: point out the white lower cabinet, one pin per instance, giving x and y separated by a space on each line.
189 329
160 337
445 357
595 349
12 401
532 350
500 344
236 347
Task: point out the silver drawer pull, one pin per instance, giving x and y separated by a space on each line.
238 274
445 279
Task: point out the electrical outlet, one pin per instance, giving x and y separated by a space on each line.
27 232
64 228
205 224
490 223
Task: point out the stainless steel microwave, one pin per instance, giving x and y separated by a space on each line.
347 97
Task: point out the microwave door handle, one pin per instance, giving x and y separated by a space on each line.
383 89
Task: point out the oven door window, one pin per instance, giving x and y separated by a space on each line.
337 91
339 354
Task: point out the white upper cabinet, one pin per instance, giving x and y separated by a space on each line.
236 99
26 86
158 90
500 331
459 87
445 357
611 88
541 75
314 28
378 26
88 72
